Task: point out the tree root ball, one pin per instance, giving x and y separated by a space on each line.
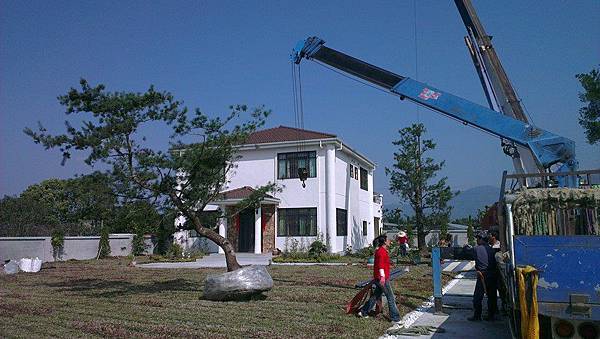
240 284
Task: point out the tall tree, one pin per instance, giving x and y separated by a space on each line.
54 202
412 178
186 178
393 216
589 115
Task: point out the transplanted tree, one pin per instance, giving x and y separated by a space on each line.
413 179
185 180
589 115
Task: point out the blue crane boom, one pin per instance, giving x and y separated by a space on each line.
500 94
548 148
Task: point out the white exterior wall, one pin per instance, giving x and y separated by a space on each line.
356 201
257 167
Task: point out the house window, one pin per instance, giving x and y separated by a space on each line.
288 164
341 217
364 179
351 171
297 222
356 173
365 225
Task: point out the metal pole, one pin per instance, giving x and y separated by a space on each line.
437 280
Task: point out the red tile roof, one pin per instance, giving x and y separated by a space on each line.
284 133
239 193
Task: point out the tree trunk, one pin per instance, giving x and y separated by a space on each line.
420 231
230 259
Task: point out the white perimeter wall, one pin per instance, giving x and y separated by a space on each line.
79 248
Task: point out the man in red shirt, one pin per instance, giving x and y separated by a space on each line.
381 277
403 242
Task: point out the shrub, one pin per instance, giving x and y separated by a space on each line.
365 252
104 245
294 246
470 234
305 257
163 239
58 242
138 247
175 251
193 254
317 248
415 256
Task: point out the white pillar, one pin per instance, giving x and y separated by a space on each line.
330 197
222 228
370 221
349 211
257 230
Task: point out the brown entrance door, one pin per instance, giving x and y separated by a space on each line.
246 238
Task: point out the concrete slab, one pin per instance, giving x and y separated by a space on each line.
215 261
458 265
457 302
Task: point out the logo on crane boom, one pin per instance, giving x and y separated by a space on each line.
429 94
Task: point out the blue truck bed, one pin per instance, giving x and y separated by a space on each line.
568 265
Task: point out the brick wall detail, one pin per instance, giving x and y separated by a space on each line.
268 228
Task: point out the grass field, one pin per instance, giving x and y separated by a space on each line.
109 298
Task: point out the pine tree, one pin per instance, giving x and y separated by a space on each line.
589 115
185 179
413 179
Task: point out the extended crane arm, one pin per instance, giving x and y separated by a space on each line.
547 147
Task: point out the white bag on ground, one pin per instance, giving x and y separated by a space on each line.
30 265
11 267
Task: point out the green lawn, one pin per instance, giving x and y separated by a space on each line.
109 298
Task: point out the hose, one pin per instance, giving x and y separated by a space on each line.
527 280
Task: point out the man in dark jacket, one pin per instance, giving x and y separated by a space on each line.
485 265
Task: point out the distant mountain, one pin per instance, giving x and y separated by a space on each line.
465 204
468 201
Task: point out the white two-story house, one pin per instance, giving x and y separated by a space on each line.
336 203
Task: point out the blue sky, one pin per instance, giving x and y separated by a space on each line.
211 54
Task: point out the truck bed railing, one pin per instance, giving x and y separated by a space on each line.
513 182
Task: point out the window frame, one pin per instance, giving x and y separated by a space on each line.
364 173
365 228
286 157
341 215
297 213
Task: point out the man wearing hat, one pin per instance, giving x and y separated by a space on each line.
403 243
485 265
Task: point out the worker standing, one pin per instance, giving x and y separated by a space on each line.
403 243
485 266
381 277
495 244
